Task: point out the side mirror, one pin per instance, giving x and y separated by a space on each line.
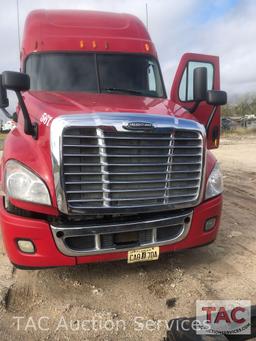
15 81
4 102
18 82
216 97
200 84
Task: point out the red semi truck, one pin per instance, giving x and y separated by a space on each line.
102 165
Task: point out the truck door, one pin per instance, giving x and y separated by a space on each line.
182 92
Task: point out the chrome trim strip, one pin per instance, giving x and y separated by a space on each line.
103 167
116 120
104 229
97 242
168 168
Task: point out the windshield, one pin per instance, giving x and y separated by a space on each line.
88 72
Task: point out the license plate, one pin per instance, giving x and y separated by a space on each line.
143 255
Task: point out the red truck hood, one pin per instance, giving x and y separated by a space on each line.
36 153
60 103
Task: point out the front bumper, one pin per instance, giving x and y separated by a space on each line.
123 235
48 252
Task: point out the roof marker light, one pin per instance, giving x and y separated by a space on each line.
81 44
147 47
94 45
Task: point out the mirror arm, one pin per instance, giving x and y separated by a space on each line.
6 113
29 127
193 109
210 119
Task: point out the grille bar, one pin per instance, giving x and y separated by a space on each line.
131 165
125 156
125 182
140 206
133 199
133 138
130 173
133 190
128 147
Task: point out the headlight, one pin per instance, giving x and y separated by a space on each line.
23 184
215 183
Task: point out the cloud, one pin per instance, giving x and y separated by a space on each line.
232 37
226 28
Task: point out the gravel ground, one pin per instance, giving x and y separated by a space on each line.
118 301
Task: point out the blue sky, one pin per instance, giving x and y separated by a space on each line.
212 10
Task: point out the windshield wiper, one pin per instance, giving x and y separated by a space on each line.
130 91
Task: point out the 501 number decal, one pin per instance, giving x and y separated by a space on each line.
45 119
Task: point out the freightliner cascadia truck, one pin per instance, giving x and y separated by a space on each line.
102 164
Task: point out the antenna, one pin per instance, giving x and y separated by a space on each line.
146 15
18 21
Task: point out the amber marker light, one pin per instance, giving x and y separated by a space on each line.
216 143
147 47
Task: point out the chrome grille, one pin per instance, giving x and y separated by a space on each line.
104 168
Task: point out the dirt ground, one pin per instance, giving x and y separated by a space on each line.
118 301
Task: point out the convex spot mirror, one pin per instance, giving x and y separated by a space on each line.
216 97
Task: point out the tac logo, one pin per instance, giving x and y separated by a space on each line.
223 317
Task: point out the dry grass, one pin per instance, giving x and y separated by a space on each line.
239 132
2 136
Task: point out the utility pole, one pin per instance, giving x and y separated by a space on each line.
146 15
18 22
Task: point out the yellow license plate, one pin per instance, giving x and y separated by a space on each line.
143 255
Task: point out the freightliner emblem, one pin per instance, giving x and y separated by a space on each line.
138 126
